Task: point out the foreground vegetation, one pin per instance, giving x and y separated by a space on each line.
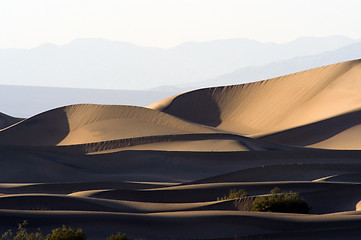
63 233
276 201
118 236
234 194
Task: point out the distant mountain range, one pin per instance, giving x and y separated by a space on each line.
25 101
280 68
103 64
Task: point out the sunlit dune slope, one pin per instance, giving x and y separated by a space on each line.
86 123
92 128
6 120
272 105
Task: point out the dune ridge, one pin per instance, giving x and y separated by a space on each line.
272 105
6 120
77 124
98 128
244 143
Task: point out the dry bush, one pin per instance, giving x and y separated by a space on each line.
277 201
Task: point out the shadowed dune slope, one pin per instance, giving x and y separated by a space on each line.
71 187
323 197
198 224
37 164
6 120
272 105
78 203
340 132
209 191
286 172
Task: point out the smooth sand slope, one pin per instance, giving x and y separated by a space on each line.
340 132
158 172
273 105
89 123
197 224
6 120
182 212
342 172
105 128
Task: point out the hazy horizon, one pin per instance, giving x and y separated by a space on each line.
179 44
167 46
103 64
166 24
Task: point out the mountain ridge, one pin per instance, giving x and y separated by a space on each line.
103 64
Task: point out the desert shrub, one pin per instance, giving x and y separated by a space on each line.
234 194
22 234
118 236
65 233
287 202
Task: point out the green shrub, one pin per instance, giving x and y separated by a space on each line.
65 233
287 202
22 234
234 194
118 236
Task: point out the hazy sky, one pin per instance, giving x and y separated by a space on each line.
166 23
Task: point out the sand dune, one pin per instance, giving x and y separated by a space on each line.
209 192
199 224
273 105
79 124
164 166
75 187
76 202
296 172
339 199
6 120
104 129
352 177
203 142
158 172
340 132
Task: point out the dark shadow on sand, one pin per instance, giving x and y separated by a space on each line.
316 132
196 106
45 129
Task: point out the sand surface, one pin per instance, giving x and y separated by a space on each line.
6 120
273 105
158 172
